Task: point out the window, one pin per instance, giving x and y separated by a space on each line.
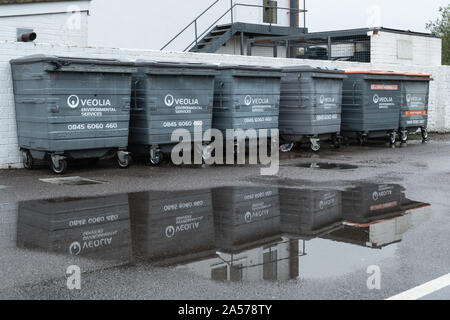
270 14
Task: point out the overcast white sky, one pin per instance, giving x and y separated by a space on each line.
327 15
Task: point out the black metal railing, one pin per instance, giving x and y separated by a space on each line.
230 11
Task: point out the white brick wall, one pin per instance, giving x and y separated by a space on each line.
53 28
426 51
9 152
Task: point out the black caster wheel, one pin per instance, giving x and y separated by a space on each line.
424 135
362 140
61 168
157 159
337 143
27 160
392 138
404 136
125 163
315 147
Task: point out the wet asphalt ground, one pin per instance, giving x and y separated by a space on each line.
321 268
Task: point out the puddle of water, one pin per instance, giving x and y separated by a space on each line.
223 234
327 166
72 181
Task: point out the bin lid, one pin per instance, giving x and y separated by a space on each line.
247 68
388 73
176 68
306 68
69 60
173 64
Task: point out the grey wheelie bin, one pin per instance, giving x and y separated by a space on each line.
245 216
71 108
167 96
371 105
247 97
307 214
369 202
97 228
310 105
414 107
172 227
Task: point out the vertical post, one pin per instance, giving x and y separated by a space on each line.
249 47
329 48
275 50
231 10
288 55
242 43
304 14
196 35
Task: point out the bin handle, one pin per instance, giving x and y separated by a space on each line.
353 92
32 100
59 64
54 108
134 106
299 78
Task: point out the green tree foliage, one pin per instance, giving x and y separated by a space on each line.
441 28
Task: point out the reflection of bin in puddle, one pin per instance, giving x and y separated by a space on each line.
414 107
71 108
384 231
172 227
97 228
307 214
169 96
369 202
245 217
371 105
310 106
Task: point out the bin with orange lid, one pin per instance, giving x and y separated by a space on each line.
415 90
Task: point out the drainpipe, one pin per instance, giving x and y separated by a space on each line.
294 22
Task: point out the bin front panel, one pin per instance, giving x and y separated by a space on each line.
243 216
371 202
371 104
310 105
246 102
72 110
171 224
165 103
309 212
89 227
414 110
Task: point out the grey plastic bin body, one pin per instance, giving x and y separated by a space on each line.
62 226
247 97
71 106
307 214
371 104
415 98
310 103
371 202
172 227
245 217
169 96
